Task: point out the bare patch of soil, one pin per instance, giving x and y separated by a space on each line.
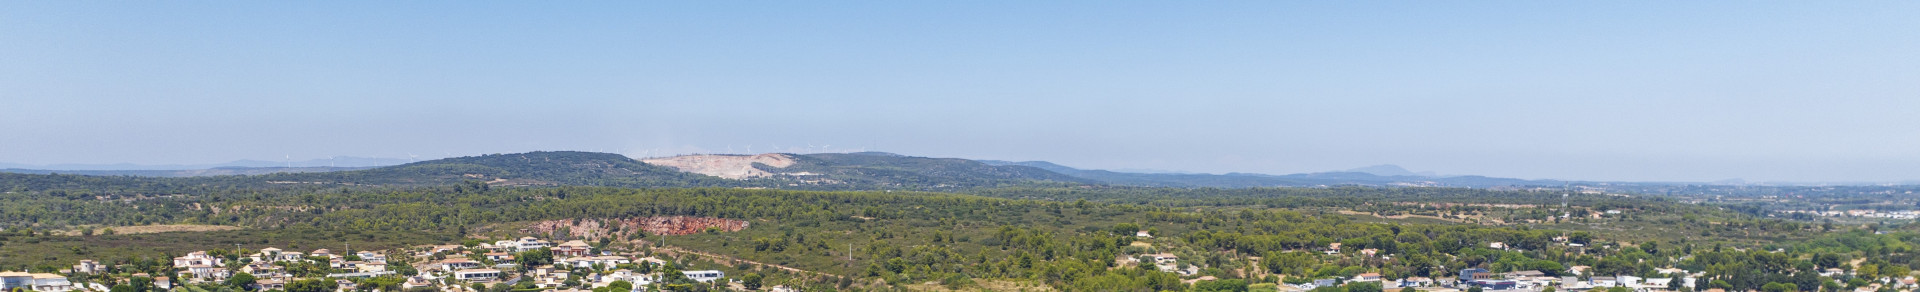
156 229
725 166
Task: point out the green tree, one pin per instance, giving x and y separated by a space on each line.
141 284
1778 287
534 258
1363 287
243 281
1228 285
751 281
312 285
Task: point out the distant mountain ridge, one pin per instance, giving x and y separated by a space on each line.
894 170
218 171
340 162
822 171
836 171
818 171
531 168
1378 175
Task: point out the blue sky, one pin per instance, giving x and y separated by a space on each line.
1780 91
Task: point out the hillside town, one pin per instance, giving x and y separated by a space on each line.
520 264
534 264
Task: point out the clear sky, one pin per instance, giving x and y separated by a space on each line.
1596 90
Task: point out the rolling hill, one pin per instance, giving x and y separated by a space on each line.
833 171
1368 176
532 168
864 170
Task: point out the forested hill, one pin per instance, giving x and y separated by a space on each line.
836 171
532 168
527 169
1251 180
867 170
1177 180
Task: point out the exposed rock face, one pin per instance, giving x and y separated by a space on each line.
683 225
725 166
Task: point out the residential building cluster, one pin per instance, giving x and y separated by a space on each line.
447 268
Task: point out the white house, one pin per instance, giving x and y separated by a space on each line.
371 257
524 244
605 261
198 258
1603 282
704 276
34 282
455 264
476 275
89 267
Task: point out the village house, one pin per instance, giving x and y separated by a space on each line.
275 255
637 279
1600 282
1524 274
603 261
1416 282
270 284
455 264
499 256
88 267
1367 277
1162 258
198 258
476 275
1469 275
261 269
1578 270
342 285
704 276
34 282
415 282
371 257
524 244
202 266
573 248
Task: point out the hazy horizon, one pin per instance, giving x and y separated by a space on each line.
1694 91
